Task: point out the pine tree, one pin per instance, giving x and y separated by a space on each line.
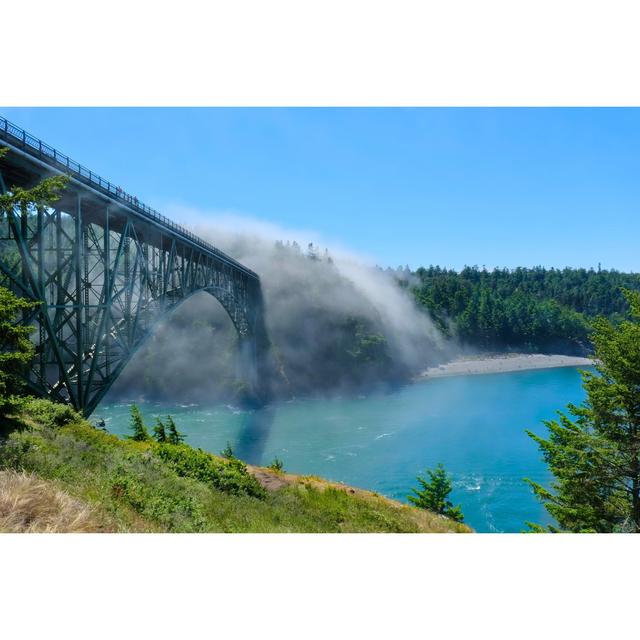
174 436
16 349
227 452
159 431
434 494
595 457
137 426
277 465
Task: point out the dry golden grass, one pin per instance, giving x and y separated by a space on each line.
29 504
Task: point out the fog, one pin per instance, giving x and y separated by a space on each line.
336 322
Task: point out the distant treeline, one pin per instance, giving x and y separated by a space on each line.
536 309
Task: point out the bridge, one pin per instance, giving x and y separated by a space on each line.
105 268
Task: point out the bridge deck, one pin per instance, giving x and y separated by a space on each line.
50 160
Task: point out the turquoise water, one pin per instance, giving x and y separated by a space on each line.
474 425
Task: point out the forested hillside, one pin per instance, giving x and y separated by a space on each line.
537 309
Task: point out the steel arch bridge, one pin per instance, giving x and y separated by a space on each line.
105 268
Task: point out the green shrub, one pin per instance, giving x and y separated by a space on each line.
230 476
49 414
172 509
277 465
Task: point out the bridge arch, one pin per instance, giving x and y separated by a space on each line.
246 357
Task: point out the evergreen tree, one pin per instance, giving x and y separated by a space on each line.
137 426
227 452
18 200
277 465
595 457
16 349
174 436
312 252
159 431
434 494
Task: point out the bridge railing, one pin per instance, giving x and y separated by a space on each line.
44 152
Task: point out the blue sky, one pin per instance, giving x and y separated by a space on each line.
494 187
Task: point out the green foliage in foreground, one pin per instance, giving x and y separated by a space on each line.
277 465
227 452
159 431
139 431
229 476
595 457
173 435
46 193
16 349
150 486
434 494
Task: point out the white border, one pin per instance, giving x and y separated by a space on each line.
326 586
329 52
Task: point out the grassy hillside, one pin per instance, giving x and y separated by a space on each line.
59 473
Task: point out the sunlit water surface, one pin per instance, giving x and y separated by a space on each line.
474 425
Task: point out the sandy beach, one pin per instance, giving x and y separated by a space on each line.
502 364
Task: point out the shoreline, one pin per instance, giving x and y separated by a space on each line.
504 363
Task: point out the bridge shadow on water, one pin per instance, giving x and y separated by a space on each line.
254 435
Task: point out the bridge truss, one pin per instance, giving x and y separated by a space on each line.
104 269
